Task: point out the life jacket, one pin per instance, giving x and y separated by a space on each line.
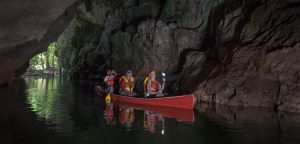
110 82
129 83
154 85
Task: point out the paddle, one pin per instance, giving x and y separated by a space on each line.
162 87
108 98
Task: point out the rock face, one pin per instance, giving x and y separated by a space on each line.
236 52
255 55
229 51
140 35
26 29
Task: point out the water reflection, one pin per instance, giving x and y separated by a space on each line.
109 114
153 117
45 99
126 116
154 121
73 111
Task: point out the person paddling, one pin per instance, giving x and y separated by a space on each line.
152 87
109 81
127 84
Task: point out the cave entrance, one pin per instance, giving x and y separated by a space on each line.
46 63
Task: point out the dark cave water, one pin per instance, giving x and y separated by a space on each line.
38 110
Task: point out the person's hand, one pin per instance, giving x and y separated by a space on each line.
159 95
131 94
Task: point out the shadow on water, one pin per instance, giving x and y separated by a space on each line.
64 111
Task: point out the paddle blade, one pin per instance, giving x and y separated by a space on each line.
108 99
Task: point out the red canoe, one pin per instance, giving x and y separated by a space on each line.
184 101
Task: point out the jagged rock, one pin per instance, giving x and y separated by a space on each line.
257 60
227 51
192 14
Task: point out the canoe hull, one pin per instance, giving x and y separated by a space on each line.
184 101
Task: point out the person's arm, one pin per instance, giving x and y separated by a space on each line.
132 86
163 85
123 86
159 88
133 83
126 91
149 87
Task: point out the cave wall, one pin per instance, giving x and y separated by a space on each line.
255 55
236 52
26 29
138 34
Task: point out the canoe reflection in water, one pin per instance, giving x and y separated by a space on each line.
109 114
126 116
153 117
152 121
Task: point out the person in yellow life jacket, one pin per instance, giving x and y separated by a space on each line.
110 81
127 84
152 87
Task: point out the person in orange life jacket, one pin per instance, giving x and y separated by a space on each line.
110 81
127 84
152 87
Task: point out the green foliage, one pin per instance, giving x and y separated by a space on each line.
47 60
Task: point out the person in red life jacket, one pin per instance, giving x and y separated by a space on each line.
110 80
127 84
152 87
